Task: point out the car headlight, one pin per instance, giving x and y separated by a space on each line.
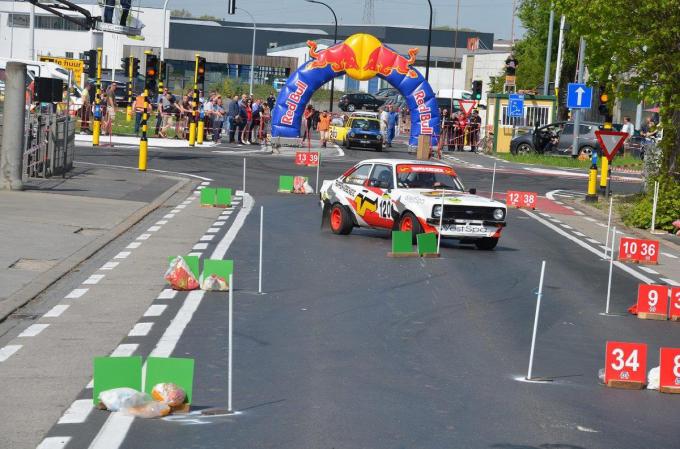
437 211
498 214
351 133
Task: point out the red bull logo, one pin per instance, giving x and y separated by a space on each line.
385 61
339 57
424 112
293 102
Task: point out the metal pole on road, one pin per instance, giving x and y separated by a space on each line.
493 181
165 19
244 180
548 51
441 224
560 44
429 45
533 336
656 200
609 224
611 266
577 112
259 288
231 345
318 164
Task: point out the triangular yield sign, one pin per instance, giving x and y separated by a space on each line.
610 142
467 105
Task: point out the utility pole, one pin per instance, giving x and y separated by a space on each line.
548 52
455 56
577 112
31 51
560 44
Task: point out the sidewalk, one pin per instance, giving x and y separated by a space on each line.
57 223
154 142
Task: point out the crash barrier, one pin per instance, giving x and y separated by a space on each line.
216 197
294 184
657 302
127 372
626 368
519 200
185 274
49 146
639 251
402 244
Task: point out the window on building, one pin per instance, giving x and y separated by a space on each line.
532 115
43 22
69 54
19 20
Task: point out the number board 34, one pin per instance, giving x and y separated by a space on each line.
625 365
652 302
638 250
669 370
518 199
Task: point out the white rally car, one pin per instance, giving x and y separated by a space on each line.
408 195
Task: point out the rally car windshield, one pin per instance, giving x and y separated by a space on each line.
427 177
366 125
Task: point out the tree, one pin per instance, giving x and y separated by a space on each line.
634 46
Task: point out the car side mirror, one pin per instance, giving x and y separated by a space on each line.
473 191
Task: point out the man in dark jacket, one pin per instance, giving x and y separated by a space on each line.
232 114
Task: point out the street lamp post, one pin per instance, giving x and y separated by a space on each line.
335 41
429 45
252 55
165 20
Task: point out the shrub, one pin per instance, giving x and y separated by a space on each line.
639 214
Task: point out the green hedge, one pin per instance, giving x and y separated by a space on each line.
638 213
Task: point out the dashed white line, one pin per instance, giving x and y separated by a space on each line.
568 207
648 270
124 350
197 254
8 351
76 293
54 442
207 238
140 330
219 223
594 241
205 183
200 187
200 246
109 265
94 279
602 225
180 206
578 212
669 255
153 229
175 211
213 230
544 215
590 219
155 310
122 255
77 413
168 216
167 293
580 234
56 311
161 222
670 282
33 330
144 237
113 432
566 226
134 245
554 220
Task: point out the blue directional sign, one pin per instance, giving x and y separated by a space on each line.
516 105
579 96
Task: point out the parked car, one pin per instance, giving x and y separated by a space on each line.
384 94
557 137
352 102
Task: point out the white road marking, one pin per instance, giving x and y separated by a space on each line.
134 245
648 270
554 220
54 443
124 350
94 279
8 351
219 223
558 202
206 183
578 212
144 237
175 211
197 254
33 330
140 330
580 234
236 226
180 206
168 216
113 432
155 310
202 178
584 245
200 246
568 207
200 187
594 241
109 265
154 229
77 293
90 384
602 225
213 230
56 311
167 293
586 429
122 255
590 219
544 215
77 413
161 222
669 255
670 282
566 226
207 238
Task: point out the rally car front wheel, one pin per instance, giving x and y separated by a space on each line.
341 222
409 222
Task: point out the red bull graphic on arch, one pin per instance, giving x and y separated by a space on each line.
362 57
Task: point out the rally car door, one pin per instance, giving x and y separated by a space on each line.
374 202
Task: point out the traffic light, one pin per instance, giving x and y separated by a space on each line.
231 7
163 74
151 72
135 67
511 66
477 90
604 98
200 71
125 65
91 63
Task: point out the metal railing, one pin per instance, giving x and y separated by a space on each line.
49 146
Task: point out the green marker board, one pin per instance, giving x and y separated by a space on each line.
170 370
116 372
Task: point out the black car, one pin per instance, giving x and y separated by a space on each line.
556 137
352 102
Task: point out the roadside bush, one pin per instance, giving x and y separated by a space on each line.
639 213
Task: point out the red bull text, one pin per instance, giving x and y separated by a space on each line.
339 57
424 111
293 102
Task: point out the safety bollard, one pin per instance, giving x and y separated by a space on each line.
604 174
592 185
200 132
192 133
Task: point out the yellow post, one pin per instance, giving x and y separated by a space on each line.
200 126
604 174
128 116
200 131
97 123
144 143
592 184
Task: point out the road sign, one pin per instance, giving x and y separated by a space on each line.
74 65
674 312
652 302
519 200
625 365
669 370
516 105
579 96
467 106
610 142
638 250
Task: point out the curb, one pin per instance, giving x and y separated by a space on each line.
51 276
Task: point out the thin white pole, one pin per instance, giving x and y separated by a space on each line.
493 181
656 198
231 340
441 223
609 223
558 66
538 308
259 289
318 164
611 267
31 51
165 26
244 176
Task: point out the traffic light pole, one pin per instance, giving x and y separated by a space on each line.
144 143
194 107
97 123
200 132
577 112
131 61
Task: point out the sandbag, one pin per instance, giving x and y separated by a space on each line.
179 275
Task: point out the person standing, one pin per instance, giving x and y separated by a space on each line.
139 111
308 116
110 107
323 127
248 110
628 128
218 114
126 5
233 117
271 101
459 125
85 111
475 125
108 11
384 117
392 118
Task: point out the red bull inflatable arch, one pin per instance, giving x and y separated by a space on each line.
360 56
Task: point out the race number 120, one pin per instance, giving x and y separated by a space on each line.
521 199
625 363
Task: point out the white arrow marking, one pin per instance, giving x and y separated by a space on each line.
579 95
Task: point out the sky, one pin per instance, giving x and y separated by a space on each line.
493 16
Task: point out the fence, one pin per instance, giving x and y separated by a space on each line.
49 148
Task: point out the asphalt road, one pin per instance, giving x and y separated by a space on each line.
352 349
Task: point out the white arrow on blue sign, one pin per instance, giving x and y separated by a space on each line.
579 96
516 105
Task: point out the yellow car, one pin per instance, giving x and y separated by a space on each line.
358 130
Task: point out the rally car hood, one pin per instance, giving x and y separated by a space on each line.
430 196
